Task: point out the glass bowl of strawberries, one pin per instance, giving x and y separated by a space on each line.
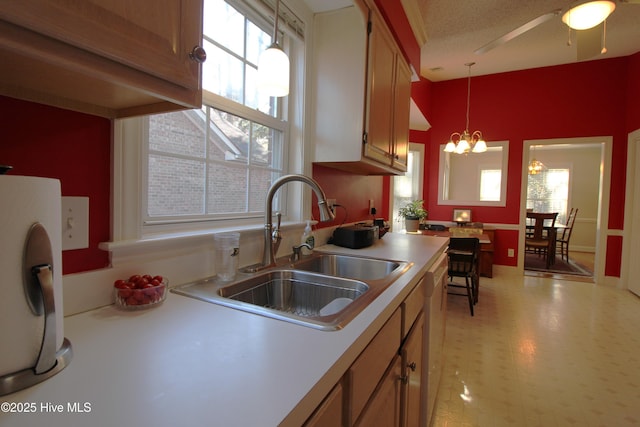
140 291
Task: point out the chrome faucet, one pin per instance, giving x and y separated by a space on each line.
272 235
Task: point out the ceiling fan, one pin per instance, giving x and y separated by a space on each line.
590 41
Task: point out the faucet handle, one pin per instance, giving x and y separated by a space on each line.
275 234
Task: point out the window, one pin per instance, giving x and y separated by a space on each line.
549 192
217 163
209 163
233 44
490 180
408 187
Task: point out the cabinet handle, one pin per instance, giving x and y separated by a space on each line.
198 54
412 366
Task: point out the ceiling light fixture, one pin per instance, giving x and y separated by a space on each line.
588 14
535 166
465 142
273 66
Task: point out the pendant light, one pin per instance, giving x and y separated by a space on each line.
273 65
462 143
587 15
535 166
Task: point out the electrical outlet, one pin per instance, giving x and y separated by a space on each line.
511 253
75 223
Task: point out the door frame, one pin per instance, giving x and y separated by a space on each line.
602 219
630 212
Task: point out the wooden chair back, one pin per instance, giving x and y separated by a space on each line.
539 223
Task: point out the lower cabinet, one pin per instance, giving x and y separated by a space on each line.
329 413
386 385
412 377
385 406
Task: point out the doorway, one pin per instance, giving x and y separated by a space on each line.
587 164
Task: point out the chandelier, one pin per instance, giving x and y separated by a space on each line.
535 166
462 143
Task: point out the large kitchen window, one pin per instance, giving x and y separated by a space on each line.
218 162
211 167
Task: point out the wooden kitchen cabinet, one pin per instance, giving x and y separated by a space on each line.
389 83
385 406
361 94
412 365
366 372
112 58
329 413
394 380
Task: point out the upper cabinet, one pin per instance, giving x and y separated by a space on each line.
112 58
361 95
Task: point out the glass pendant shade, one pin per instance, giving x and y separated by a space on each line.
480 146
273 72
588 15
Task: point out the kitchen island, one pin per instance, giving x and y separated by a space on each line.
189 362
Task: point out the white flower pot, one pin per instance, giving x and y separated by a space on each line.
411 224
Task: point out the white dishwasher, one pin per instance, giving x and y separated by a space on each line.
435 316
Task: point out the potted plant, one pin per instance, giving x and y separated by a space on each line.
413 213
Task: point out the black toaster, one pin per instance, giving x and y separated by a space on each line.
355 236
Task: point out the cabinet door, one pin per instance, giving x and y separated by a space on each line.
154 36
369 367
384 408
401 114
382 62
412 365
329 413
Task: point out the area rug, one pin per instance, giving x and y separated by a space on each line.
534 262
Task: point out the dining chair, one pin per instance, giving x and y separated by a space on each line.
463 261
563 240
543 239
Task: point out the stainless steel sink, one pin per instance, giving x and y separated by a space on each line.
326 296
353 267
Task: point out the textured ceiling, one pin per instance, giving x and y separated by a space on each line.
456 28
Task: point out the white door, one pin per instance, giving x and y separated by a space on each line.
633 273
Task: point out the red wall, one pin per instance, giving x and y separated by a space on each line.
633 104
72 147
353 192
575 100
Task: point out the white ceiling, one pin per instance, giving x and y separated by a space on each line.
456 28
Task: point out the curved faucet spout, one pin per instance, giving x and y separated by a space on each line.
269 254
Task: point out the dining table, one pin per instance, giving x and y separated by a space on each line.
552 233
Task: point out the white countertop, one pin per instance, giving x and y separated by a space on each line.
189 362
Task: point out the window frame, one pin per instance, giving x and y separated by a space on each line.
127 229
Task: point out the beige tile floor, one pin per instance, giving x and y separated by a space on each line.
541 352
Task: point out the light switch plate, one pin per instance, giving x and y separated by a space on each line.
75 223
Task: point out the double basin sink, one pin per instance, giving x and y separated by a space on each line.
323 291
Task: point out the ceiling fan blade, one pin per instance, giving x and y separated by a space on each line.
518 31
